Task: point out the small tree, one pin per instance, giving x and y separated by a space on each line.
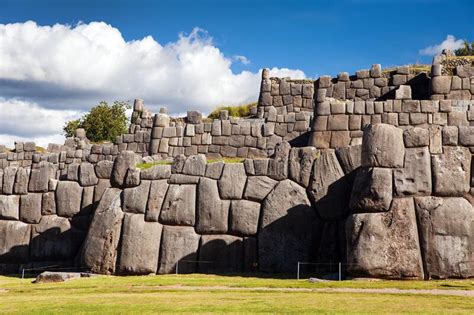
467 50
104 122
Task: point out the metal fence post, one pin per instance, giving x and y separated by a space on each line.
298 271
340 276
23 273
177 267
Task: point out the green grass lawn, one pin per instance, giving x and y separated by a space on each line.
146 294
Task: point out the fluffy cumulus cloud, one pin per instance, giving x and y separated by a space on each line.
61 70
450 43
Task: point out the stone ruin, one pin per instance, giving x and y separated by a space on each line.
371 170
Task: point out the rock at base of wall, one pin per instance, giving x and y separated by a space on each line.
179 246
220 254
287 229
446 236
385 245
14 241
140 245
243 217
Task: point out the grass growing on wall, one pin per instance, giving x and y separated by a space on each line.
234 111
227 160
413 68
144 166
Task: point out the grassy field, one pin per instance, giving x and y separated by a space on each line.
220 294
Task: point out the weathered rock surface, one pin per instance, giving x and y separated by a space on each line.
21 181
100 247
385 245
349 157
179 245
140 245
258 187
301 164
135 199
87 176
382 146
39 178
287 228
243 217
179 205
158 189
451 171
195 165
212 212
372 190
10 207
30 207
224 252
103 169
124 161
232 182
278 164
55 276
14 241
446 236
68 198
415 177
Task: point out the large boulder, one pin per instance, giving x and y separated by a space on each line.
68 198
30 207
179 246
212 212
100 247
287 227
158 189
243 217
39 177
349 157
446 236
372 190
451 171
179 206
232 182
195 165
21 181
140 245
301 164
103 169
9 174
87 176
220 254
329 189
278 164
135 199
382 146
124 161
14 241
9 207
385 245
415 177
258 187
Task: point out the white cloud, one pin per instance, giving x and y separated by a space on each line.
450 43
63 67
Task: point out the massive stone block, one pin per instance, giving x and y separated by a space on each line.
158 189
225 251
301 164
382 146
415 177
30 208
9 174
385 245
446 236
243 217
329 190
14 241
21 181
287 228
278 164
48 203
349 157
68 198
232 182
100 247
179 245
160 171
134 199
195 165
140 245
212 212
372 190
87 175
103 169
179 205
124 161
451 171
9 207
258 187
39 178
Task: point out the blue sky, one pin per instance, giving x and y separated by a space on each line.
60 58
318 37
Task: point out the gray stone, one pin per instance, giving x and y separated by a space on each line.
55 276
48 204
214 170
349 157
21 181
158 189
161 120
441 84
225 251
382 146
194 117
124 161
140 245
403 92
195 165
100 247
416 137
14 240
446 236
301 164
329 190
100 189
261 166
179 248
243 217
39 178
9 207
385 245
135 199
160 171
278 164
258 187
30 207
450 135
68 199
9 174
287 228
103 169
466 136
415 177
133 177
451 171
232 182
372 190
179 205
87 175
212 213
73 172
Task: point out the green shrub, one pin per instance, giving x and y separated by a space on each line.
234 111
